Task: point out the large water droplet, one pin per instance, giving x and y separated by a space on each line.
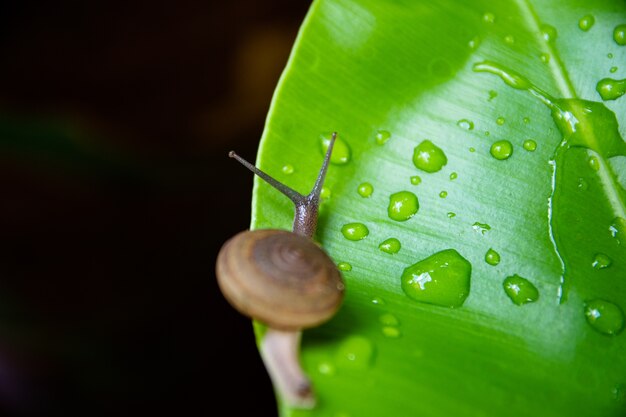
604 316
442 279
465 124
429 157
391 245
355 352
344 266
548 32
601 261
586 22
416 180
382 136
530 145
501 149
365 189
619 34
520 290
355 231
402 206
610 89
341 151
481 227
492 257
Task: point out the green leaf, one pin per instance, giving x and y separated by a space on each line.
529 187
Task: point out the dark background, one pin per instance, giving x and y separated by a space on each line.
116 194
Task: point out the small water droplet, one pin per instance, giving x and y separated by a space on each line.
391 332
500 121
416 180
365 189
487 133
288 169
582 184
604 316
619 34
355 352
429 157
442 279
594 163
325 193
402 206
509 39
520 290
492 257
618 229
610 89
586 22
453 176
489 17
492 94
465 124
481 227
451 214
355 231
443 194
548 32
501 149
382 136
609 55
326 368
526 120
341 151
530 145
378 301
545 58
388 319
391 245
601 261
344 266
474 42
613 69
472 149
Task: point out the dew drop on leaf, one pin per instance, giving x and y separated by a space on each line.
548 32
530 145
492 257
341 151
388 319
500 121
489 17
453 176
465 124
601 261
594 163
429 157
610 89
382 136
355 352
619 34
443 194
482 228
520 290
604 316
365 189
545 58
288 169
586 22
416 180
451 214
391 332
402 206
391 245
344 266
501 150
355 231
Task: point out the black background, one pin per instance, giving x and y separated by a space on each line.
116 194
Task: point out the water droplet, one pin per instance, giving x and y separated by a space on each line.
492 94
325 193
604 316
442 279
391 245
548 32
465 124
341 150
388 319
365 189
609 55
474 42
402 206
492 257
355 352
487 133
610 89
619 34
520 290
545 58
472 149
355 231
586 22
450 214
326 368
378 301
429 157
288 169
443 194
501 149
530 145
601 261
594 163
582 184
391 332
509 39
344 266
481 227
500 121
510 78
489 17
453 176
526 120
382 136
416 180
613 69
618 229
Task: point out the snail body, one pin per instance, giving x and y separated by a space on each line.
284 280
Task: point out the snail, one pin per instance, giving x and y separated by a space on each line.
284 280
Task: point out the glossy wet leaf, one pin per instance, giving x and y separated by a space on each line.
462 76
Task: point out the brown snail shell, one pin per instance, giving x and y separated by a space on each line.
280 278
